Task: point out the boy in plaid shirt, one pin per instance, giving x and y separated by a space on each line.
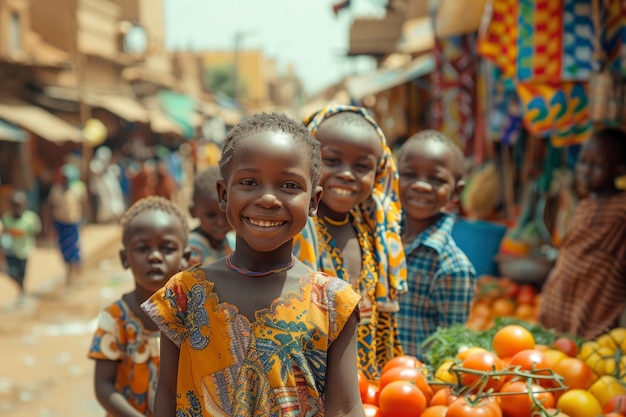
441 278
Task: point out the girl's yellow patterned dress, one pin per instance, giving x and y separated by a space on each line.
229 366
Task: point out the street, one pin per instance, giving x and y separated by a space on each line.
44 371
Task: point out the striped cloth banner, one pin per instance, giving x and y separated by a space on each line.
498 42
556 41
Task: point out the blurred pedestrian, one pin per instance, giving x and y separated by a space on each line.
70 205
21 227
165 185
142 178
126 343
104 185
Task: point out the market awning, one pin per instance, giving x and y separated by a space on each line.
11 133
124 106
161 123
360 86
37 120
229 116
180 108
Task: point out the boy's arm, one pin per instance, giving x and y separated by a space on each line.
104 384
453 294
341 393
165 401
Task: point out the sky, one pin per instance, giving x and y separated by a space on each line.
305 33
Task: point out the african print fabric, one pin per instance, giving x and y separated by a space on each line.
547 47
383 276
122 337
272 367
454 89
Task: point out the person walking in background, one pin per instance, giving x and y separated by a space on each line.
104 185
257 333
356 235
70 205
142 178
21 227
441 279
585 292
214 237
125 346
165 185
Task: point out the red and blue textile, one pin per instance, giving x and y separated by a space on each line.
454 88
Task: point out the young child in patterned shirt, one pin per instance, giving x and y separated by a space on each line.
125 345
441 278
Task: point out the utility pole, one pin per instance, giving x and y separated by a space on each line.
238 37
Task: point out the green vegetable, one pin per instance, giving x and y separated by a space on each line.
446 342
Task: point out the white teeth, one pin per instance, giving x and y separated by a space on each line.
265 223
341 191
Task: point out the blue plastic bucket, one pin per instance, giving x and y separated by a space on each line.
480 240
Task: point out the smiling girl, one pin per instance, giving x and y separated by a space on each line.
258 333
355 235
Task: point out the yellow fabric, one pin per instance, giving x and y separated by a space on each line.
274 366
122 337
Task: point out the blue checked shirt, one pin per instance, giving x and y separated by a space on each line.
441 282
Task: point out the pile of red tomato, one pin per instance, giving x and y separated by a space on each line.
502 297
516 378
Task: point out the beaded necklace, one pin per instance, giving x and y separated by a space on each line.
242 271
337 222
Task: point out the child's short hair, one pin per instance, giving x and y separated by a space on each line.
615 139
430 134
153 203
204 184
273 122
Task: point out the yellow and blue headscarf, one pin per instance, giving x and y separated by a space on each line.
381 212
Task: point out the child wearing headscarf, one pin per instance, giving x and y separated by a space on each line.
356 234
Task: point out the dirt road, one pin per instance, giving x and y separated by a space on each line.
44 371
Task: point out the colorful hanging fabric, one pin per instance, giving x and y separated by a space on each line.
560 111
454 88
573 135
556 41
613 35
498 42
505 119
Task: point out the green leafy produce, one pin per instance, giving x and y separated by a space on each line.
445 343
